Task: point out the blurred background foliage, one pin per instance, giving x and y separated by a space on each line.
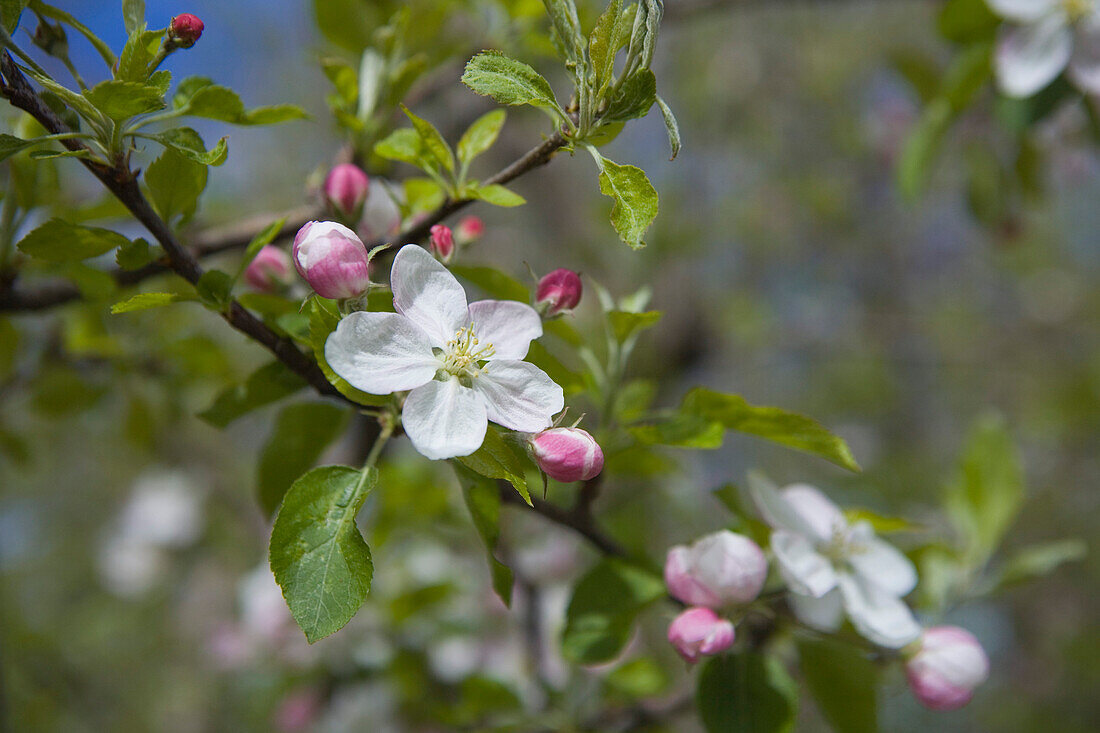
792 270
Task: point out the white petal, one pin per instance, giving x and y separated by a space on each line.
426 293
815 510
1029 57
444 419
805 571
1021 11
775 509
519 395
508 325
877 615
824 614
380 353
1084 65
880 562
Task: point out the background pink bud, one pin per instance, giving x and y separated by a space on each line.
717 570
443 242
567 454
699 632
558 291
332 259
946 668
185 29
269 268
469 228
346 188
381 214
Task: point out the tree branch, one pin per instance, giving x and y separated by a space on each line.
582 522
123 184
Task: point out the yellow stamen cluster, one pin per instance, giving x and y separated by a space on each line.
1077 9
842 545
464 354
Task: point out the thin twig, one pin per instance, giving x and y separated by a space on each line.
583 523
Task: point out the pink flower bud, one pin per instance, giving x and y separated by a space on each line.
558 291
567 454
332 260
268 269
717 570
469 229
443 242
185 29
699 632
346 188
946 668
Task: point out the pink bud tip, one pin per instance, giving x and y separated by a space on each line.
346 188
185 29
268 269
558 292
719 569
443 242
332 259
469 229
946 668
567 454
699 632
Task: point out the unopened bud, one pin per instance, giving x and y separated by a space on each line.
717 570
268 269
51 38
184 30
443 242
558 292
469 229
946 668
567 454
346 188
699 632
332 259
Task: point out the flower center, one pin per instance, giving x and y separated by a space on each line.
464 354
842 545
1077 9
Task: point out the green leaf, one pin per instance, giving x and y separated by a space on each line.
189 144
646 26
567 27
214 289
494 282
880 523
746 692
267 384
628 325
483 500
635 199
60 391
403 144
10 10
53 13
432 140
175 183
59 241
138 53
603 44
967 21
843 681
324 316
263 238
494 194
635 97
301 434
988 490
1038 560
202 98
498 459
121 100
481 135
422 194
508 81
671 126
133 14
318 556
145 301
134 255
605 603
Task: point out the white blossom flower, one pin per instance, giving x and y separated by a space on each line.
462 363
833 567
1046 37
